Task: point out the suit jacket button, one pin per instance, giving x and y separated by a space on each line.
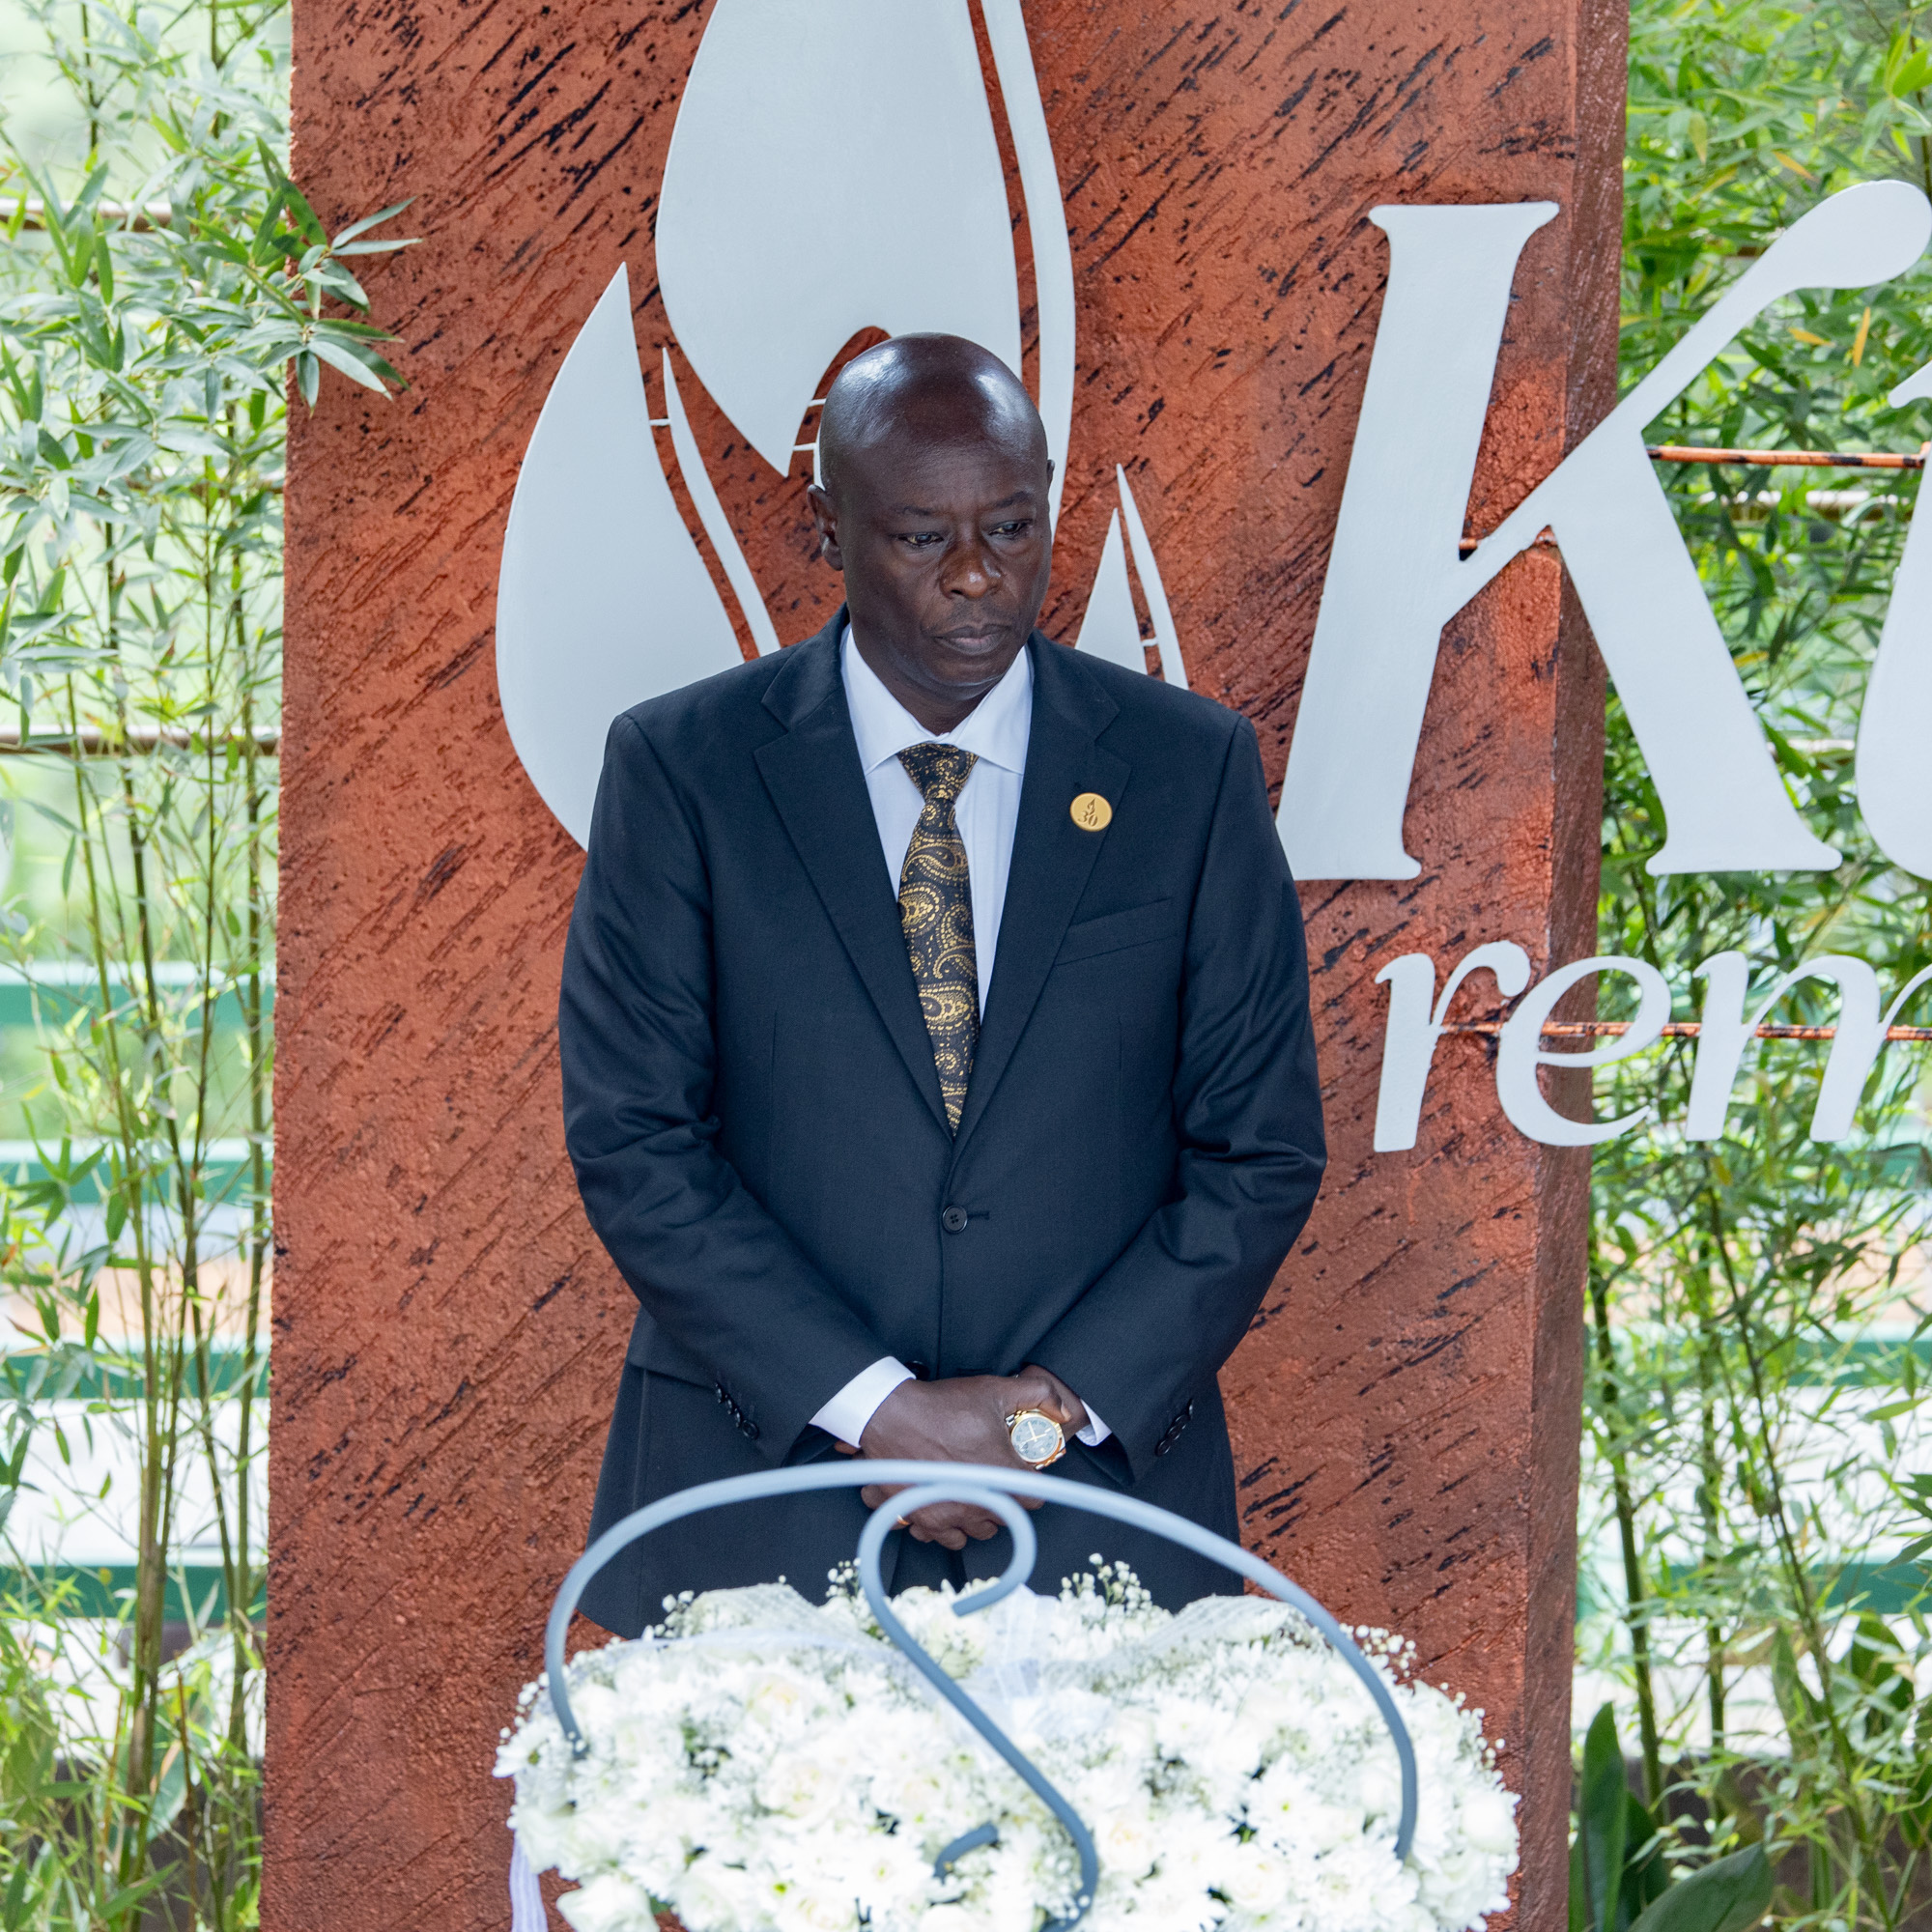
953 1220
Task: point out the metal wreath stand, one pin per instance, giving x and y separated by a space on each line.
991 1490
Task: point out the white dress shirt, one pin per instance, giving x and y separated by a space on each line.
986 812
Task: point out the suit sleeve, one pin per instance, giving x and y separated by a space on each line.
635 1033
1153 1330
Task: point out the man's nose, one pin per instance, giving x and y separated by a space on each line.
973 570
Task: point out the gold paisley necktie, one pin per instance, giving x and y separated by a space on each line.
936 911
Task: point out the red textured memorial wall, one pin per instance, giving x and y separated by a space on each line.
449 1333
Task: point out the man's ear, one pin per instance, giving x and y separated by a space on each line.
825 514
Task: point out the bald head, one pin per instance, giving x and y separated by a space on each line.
933 503
920 394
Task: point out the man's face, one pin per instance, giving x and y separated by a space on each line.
945 549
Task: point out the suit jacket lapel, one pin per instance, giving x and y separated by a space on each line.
813 777
1052 856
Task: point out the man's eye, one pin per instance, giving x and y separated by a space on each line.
1018 528
923 539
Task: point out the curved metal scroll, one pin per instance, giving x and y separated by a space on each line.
992 1490
878 1526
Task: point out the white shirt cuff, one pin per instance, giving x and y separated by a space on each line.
847 1414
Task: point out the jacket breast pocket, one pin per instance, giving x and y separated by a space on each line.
1115 931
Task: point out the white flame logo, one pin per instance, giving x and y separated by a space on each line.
761 300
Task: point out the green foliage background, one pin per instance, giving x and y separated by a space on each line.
1757 1365
164 283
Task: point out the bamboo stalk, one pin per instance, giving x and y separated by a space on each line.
91 742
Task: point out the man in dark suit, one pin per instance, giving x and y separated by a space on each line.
935 1037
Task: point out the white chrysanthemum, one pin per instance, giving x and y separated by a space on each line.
959 1917
892 1878
814 1905
712 1893
609 1902
1177 1901
1358 1888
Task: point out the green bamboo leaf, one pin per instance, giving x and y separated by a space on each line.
369 221
352 363
361 331
304 216
272 171
334 277
186 439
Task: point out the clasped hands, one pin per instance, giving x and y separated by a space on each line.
962 1420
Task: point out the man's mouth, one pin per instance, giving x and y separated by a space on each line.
978 636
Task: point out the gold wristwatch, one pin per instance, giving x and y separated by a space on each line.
1037 1439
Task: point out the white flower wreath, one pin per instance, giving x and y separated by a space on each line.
766 1765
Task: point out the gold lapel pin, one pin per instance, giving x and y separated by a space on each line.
1092 813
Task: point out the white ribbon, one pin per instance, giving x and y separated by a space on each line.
526 1906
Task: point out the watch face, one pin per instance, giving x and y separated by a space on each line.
1035 1437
